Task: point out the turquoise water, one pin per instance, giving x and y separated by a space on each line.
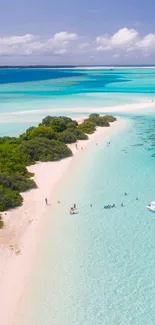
97 267
27 95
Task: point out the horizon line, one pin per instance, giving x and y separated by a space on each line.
74 66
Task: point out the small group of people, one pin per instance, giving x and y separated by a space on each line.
46 201
72 209
76 146
109 206
125 194
114 206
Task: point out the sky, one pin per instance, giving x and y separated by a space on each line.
77 32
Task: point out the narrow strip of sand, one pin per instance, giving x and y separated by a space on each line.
23 227
26 116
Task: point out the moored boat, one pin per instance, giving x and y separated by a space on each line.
151 206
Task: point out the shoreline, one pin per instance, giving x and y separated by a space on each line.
24 226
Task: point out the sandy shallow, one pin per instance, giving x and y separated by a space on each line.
142 105
23 227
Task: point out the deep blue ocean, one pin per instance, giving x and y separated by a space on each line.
96 267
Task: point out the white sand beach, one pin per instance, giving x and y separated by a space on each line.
23 227
31 115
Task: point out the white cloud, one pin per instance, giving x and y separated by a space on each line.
60 52
64 37
126 40
31 44
147 42
83 46
123 42
14 40
124 37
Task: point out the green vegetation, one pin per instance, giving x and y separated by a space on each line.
101 120
17 182
67 136
42 149
58 124
81 135
1 222
45 142
9 198
87 126
110 118
40 131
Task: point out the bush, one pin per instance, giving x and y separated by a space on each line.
81 135
9 199
17 182
94 116
58 124
72 125
42 131
46 121
22 184
25 136
42 149
67 137
1 223
9 140
98 120
102 122
87 126
11 160
109 118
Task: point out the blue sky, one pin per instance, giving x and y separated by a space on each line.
77 32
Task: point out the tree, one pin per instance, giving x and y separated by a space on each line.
1 222
42 131
81 135
98 120
72 125
87 127
58 124
67 137
42 149
17 182
109 118
9 199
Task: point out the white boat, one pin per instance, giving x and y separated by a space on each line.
151 206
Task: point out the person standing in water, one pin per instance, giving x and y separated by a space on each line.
46 201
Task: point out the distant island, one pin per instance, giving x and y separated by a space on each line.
42 66
45 142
